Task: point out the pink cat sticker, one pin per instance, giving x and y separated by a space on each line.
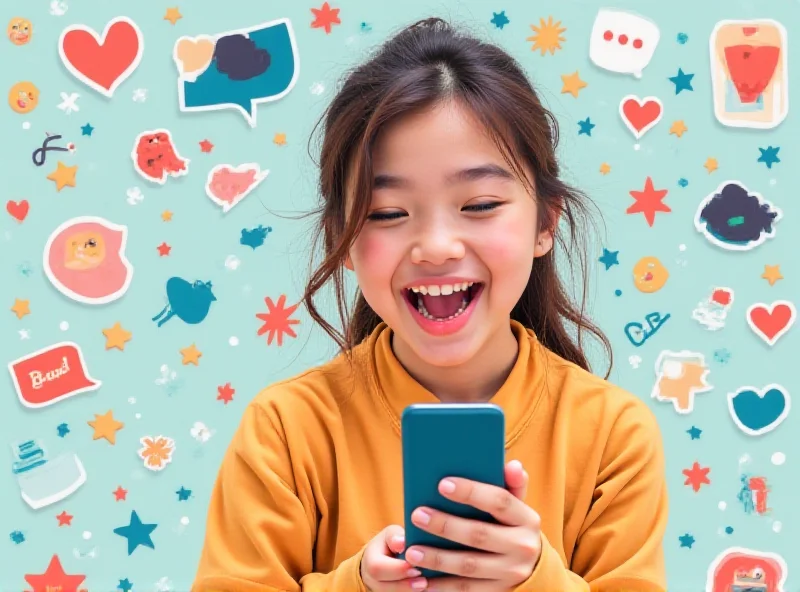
84 259
227 185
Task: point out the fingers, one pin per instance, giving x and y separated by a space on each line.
503 505
516 479
473 533
456 584
469 564
395 538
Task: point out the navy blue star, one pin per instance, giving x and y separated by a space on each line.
586 127
136 533
694 432
686 540
682 81
500 19
769 156
87 130
63 430
609 258
183 494
125 585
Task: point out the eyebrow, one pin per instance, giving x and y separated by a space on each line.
472 174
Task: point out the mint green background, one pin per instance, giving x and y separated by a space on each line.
202 237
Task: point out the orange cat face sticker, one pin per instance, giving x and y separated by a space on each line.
84 259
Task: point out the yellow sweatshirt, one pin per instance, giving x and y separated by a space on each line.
315 471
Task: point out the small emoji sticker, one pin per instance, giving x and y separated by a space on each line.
19 30
23 97
649 275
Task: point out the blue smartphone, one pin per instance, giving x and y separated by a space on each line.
449 440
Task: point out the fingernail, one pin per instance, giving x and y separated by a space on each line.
398 540
448 486
516 463
422 517
414 556
413 573
419 584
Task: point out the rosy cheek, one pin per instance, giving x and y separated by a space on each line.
374 251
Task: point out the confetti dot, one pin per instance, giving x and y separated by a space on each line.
232 262
185 521
86 535
773 181
681 247
26 125
777 525
722 506
683 182
131 400
637 146
234 341
138 416
617 292
63 325
729 529
744 459
778 458
682 38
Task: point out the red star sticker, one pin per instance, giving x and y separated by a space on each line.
54 579
64 519
277 321
325 17
164 249
648 202
120 493
225 393
206 146
696 476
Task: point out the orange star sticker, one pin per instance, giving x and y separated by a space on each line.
173 15
280 139
696 476
772 273
166 216
191 355
21 308
63 176
54 579
105 426
325 17
605 168
572 84
678 128
117 337
648 202
711 165
277 321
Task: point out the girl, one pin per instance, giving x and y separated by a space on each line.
441 194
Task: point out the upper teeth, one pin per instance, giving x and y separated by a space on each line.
443 289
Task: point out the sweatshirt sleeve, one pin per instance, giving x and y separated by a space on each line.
259 534
620 544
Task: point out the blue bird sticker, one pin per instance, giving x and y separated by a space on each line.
758 411
190 302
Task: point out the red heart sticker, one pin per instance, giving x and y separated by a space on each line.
770 322
640 114
102 62
18 210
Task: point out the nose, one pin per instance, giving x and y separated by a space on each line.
436 244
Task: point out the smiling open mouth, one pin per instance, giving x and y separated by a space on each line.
436 306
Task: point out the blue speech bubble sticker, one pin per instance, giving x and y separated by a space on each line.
238 69
757 412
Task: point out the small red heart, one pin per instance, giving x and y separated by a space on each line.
771 322
640 114
18 210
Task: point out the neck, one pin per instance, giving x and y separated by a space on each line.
470 382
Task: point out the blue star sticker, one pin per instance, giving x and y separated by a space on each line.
136 533
682 81
63 430
125 585
769 155
609 258
183 494
87 130
686 540
499 19
586 126
694 432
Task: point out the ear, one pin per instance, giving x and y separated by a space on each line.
348 263
544 243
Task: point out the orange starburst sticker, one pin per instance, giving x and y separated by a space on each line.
277 320
156 452
547 36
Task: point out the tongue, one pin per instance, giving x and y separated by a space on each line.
442 307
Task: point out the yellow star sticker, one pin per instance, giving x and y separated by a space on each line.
678 128
191 355
605 168
63 176
711 165
166 216
116 336
173 15
105 426
572 84
280 139
21 308
772 273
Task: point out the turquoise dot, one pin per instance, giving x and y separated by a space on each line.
617 292
682 38
729 529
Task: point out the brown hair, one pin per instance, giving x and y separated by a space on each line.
427 63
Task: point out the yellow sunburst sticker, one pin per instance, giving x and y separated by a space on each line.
547 36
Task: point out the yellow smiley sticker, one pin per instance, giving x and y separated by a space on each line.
19 30
23 97
649 275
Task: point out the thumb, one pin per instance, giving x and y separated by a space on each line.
395 539
516 479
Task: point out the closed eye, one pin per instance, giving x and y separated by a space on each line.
382 216
484 207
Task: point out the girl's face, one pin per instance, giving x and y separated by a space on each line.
446 211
